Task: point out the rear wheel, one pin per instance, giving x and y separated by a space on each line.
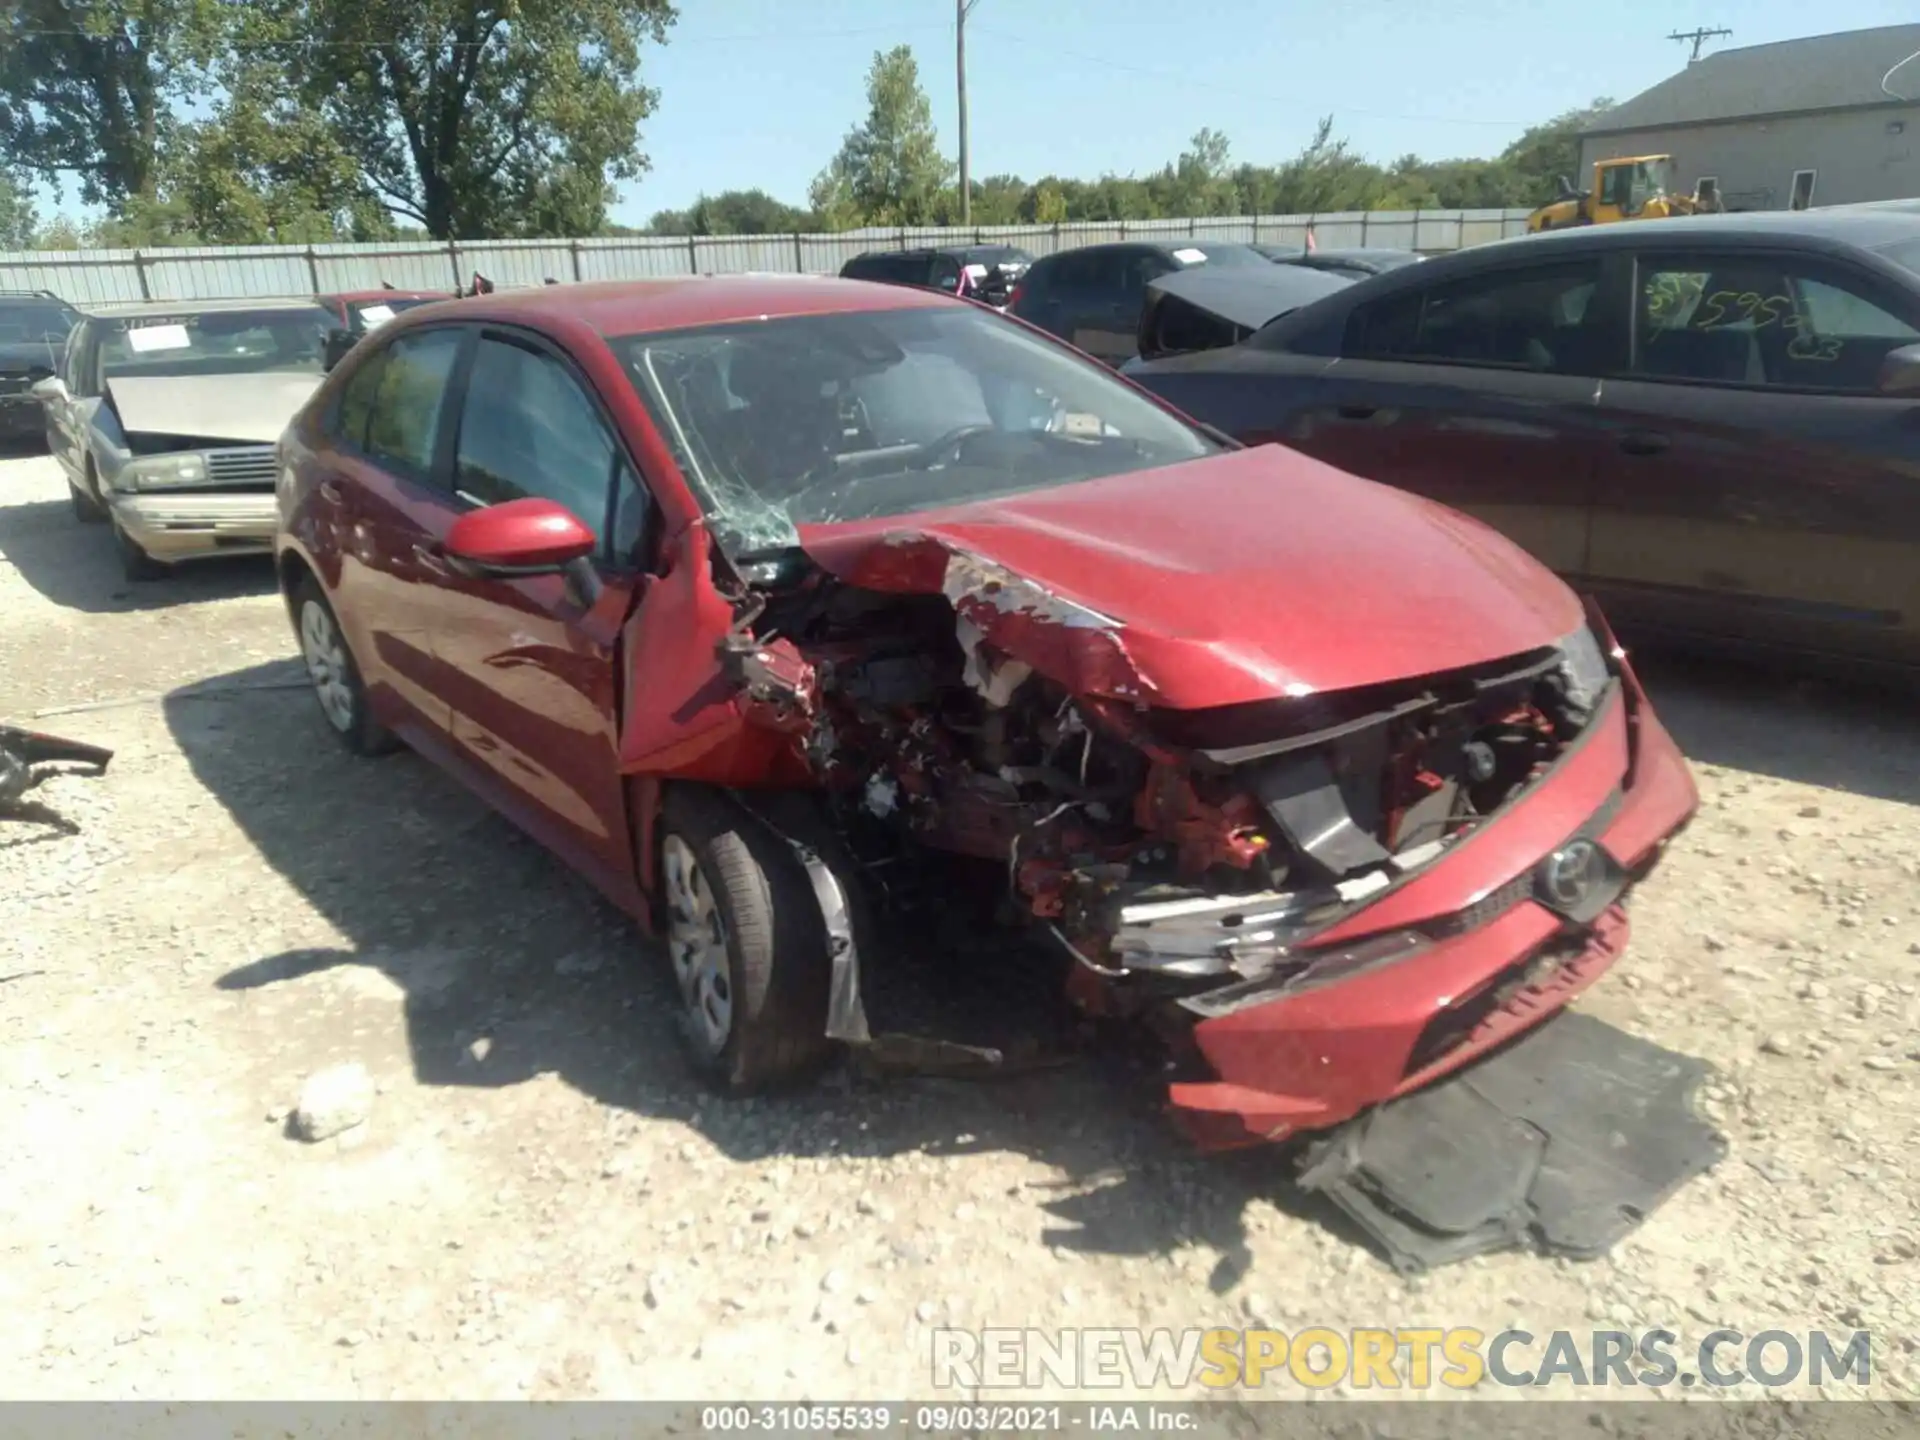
746 945
335 676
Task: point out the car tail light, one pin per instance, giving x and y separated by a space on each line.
1013 297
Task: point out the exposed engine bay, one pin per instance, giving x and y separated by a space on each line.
1166 851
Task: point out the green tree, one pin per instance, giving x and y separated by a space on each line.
476 117
732 212
1196 183
62 233
1527 172
266 169
889 170
1044 204
86 90
18 222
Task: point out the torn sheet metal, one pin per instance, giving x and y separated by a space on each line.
1570 1137
1078 646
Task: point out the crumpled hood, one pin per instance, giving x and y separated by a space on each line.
1244 576
241 408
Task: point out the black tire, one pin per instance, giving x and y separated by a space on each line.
86 509
136 564
346 711
777 970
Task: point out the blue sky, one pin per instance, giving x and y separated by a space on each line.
758 93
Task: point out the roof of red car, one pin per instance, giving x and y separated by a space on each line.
633 307
358 296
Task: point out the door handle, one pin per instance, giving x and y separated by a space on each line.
1644 442
330 492
1356 412
432 557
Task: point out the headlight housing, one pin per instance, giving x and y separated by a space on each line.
1584 672
164 472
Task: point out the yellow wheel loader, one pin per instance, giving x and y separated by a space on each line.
1634 187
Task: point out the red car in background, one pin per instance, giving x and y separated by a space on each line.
733 590
362 310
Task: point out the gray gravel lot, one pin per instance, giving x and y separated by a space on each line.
542 1203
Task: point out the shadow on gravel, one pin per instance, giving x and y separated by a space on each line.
513 967
74 565
1766 719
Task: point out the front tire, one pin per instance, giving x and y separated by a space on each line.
335 675
745 943
136 564
86 509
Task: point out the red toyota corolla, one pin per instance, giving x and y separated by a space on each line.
728 589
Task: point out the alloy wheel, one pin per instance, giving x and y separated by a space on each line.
697 944
326 657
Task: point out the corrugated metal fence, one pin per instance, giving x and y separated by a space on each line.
195 273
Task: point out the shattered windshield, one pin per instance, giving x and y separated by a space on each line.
217 342
855 416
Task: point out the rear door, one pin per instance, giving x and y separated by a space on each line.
531 670
383 494
1480 393
1758 486
65 430
1103 315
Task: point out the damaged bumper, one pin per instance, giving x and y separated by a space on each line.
1448 963
188 526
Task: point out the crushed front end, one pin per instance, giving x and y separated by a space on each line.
1318 901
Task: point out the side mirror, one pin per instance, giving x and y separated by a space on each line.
338 343
1900 371
49 390
517 539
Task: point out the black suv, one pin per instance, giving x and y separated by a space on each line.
984 272
1092 297
33 334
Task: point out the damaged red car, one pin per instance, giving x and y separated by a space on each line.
735 590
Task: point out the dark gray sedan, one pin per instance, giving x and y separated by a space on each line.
1712 422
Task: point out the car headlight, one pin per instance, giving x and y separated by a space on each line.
1583 670
162 472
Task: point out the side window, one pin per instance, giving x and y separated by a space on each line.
403 420
74 357
1072 272
1787 322
1616 186
355 406
1538 319
632 504
527 428
945 272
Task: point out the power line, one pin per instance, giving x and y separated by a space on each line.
1052 51
377 42
1698 37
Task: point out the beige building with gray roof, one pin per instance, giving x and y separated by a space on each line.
1828 120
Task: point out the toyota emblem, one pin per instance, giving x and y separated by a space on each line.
1570 873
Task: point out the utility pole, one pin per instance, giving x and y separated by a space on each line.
1699 38
961 10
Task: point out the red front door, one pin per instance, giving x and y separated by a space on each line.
529 668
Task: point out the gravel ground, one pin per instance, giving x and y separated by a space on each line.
543 1204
